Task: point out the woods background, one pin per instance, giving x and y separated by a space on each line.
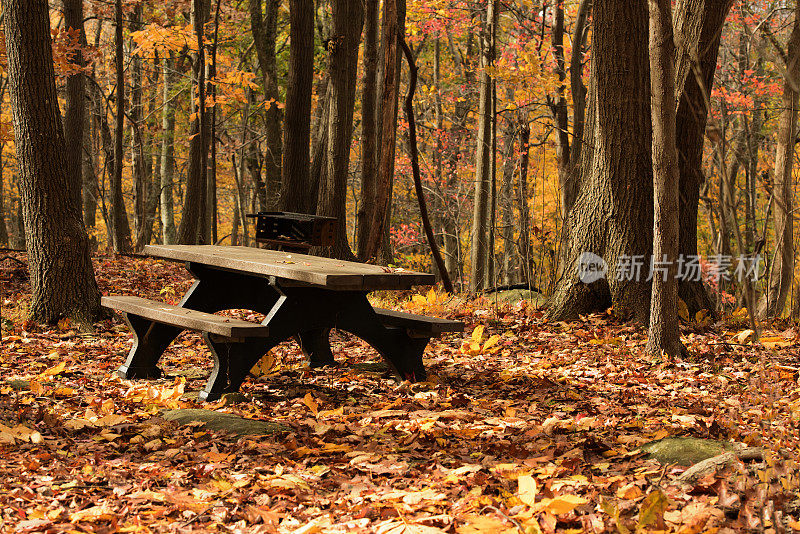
301 113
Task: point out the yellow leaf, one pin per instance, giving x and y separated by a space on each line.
683 310
53 371
102 512
477 334
491 342
652 511
265 365
312 403
629 491
562 504
527 489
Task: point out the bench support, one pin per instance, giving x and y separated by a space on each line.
307 313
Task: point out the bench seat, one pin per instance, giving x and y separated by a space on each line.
418 325
161 312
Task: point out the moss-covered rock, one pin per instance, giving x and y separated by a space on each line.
685 450
214 420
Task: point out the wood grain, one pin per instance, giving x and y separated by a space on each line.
161 312
327 272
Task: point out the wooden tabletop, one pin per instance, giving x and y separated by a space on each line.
327 272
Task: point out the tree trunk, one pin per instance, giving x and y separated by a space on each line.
522 199
140 178
483 156
579 38
264 35
782 268
75 103
691 125
346 22
296 179
612 216
61 272
558 109
90 185
507 201
194 227
664 334
168 234
369 125
380 206
119 216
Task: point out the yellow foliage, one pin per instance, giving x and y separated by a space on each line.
474 347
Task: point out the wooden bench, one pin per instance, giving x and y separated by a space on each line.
420 326
219 333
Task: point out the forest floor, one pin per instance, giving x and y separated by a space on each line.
535 431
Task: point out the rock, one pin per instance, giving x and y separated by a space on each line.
19 385
685 450
372 367
514 295
224 421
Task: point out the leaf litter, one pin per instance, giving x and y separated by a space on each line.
524 426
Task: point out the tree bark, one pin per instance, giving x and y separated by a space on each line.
75 103
61 272
412 142
264 35
380 206
578 89
664 333
346 22
194 227
119 215
782 268
483 156
168 233
612 215
140 177
558 109
691 121
296 179
369 128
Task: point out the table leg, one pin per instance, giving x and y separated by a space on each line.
149 342
401 351
214 290
316 344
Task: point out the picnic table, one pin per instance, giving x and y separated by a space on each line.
302 297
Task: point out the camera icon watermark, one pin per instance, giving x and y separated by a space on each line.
591 268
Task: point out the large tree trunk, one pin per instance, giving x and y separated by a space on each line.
75 104
168 234
369 124
119 216
612 216
690 126
296 179
782 268
140 178
664 334
61 272
194 227
264 35
483 157
377 218
346 21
